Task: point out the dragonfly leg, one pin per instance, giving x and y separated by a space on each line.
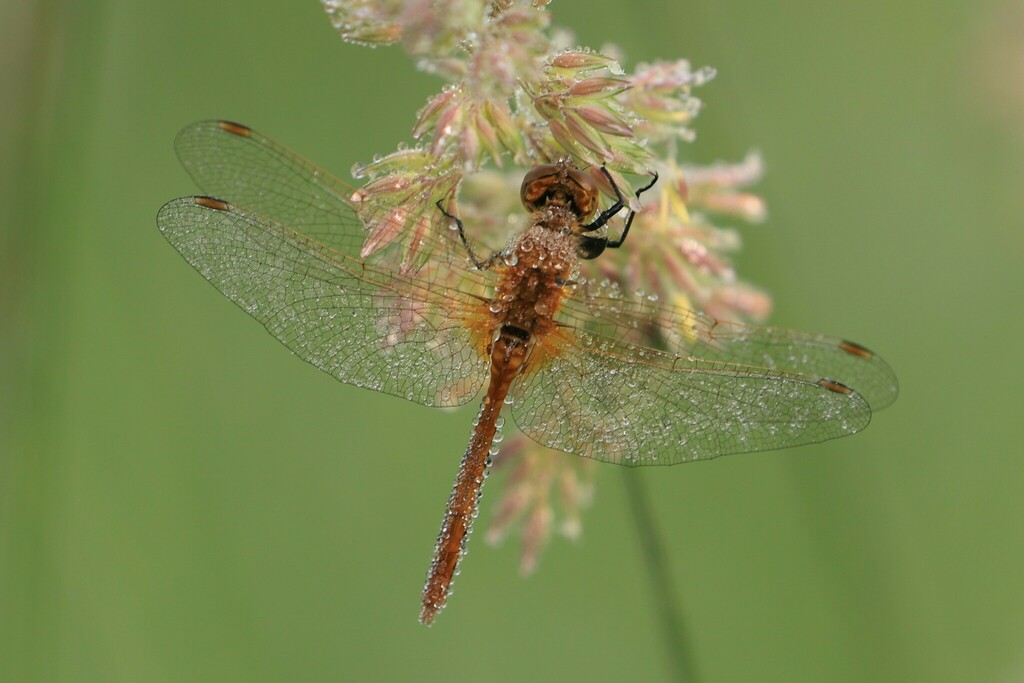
592 247
615 244
481 264
607 214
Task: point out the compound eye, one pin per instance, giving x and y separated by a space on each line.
582 192
537 184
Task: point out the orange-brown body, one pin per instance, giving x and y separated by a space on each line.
535 269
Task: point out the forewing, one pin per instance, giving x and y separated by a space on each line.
608 311
240 164
627 404
360 324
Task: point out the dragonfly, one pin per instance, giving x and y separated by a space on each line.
570 360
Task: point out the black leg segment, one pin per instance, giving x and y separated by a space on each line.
607 214
591 247
480 264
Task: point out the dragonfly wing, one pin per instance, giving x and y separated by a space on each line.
627 404
238 163
609 311
360 324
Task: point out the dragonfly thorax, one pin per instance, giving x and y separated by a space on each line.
528 294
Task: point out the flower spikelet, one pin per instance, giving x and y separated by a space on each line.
514 93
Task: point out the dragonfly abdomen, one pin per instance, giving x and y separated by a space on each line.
507 356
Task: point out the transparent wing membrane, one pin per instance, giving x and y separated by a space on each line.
234 162
607 310
374 329
287 248
631 405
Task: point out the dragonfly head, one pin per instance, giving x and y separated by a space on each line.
559 184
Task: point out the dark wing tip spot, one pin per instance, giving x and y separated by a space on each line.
212 203
855 349
837 387
235 128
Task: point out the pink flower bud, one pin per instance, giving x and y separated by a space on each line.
604 120
586 61
603 87
586 135
384 230
432 111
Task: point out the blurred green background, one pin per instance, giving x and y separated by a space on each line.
182 500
